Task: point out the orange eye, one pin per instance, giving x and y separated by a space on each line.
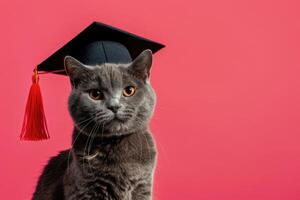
129 91
96 94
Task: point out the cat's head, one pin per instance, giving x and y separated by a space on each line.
111 99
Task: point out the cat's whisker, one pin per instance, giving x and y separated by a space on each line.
102 117
90 146
86 143
138 120
129 109
76 139
86 119
163 153
141 151
148 146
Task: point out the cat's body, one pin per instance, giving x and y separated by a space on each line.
113 155
126 170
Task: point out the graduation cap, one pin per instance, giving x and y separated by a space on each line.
97 44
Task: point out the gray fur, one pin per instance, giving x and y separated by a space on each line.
113 155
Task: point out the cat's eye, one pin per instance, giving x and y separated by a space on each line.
129 91
96 94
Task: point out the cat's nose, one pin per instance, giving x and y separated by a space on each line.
113 106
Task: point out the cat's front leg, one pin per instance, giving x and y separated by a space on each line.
143 191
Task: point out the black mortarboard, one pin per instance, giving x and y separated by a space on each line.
97 44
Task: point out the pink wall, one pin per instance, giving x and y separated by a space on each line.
228 87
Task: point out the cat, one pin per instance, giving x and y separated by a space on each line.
113 155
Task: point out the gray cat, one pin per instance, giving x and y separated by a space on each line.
113 155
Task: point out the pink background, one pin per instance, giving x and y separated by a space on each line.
227 118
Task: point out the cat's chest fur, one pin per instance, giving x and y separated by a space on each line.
116 167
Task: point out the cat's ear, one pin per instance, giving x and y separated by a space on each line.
76 70
72 65
141 65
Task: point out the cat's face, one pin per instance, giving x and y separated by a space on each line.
111 99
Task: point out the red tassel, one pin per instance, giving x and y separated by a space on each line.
34 124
